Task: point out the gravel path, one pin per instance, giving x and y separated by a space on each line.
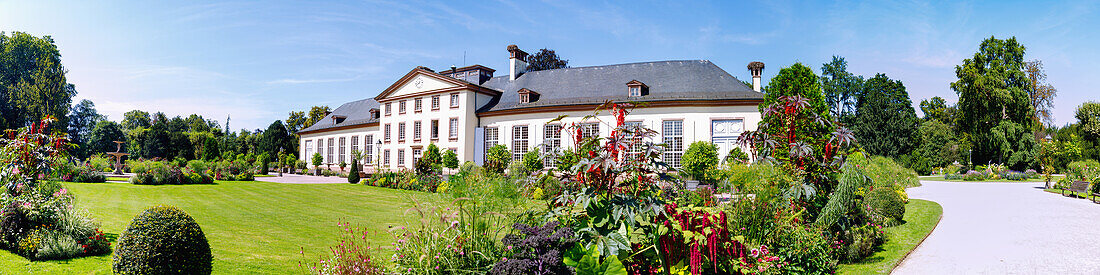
1006 228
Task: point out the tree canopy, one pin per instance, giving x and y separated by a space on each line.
32 81
546 59
992 88
885 122
841 88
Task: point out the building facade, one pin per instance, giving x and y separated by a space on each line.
468 110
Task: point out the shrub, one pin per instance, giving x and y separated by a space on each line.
536 250
162 239
450 159
860 242
497 158
429 247
886 202
1085 170
317 159
736 155
974 176
1031 174
804 250
159 173
954 177
353 175
1013 175
699 157
101 163
532 162
198 165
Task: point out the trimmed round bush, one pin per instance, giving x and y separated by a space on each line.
163 240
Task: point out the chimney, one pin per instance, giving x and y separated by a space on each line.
756 67
517 62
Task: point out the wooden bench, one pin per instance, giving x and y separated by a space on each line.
1080 186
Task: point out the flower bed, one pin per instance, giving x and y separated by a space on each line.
37 219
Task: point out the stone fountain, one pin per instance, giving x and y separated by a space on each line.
118 154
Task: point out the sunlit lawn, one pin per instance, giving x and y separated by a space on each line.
921 217
253 227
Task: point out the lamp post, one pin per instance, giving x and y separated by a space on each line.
378 154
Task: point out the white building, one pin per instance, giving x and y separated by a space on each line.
468 110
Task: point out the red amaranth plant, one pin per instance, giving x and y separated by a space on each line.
705 239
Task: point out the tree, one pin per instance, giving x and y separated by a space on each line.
32 81
992 89
885 122
430 161
700 157
103 137
82 120
210 150
136 119
317 159
1040 93
497 158
841 88
316 113
450 159
936 109
936 147
295 121
353 174
546 59
1088 120
1014 145
275 138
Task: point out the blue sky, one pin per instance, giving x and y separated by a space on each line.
257 60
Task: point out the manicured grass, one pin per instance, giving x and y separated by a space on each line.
117 179
253 227
921 217
1082 195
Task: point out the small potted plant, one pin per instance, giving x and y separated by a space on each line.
343 165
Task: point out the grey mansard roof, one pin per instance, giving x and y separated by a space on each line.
667 80
357 113
679 80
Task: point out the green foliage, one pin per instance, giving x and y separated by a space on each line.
450 159
276 139
497 158
161 240
546 59
82 120
885 123
427 244
1012 144
32 81
317 159
700 157
532 162
1088 119
936 109
1086 170
796 80
587 261
737 155
430 161
937 148
210 150
841 88
353 174
992 89
103 137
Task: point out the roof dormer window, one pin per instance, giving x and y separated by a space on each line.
337 119
528 96
636 88
374 113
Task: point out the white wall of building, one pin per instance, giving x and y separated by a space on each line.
308 144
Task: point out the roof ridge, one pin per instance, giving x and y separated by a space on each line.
621 64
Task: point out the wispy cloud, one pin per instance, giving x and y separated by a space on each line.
310 81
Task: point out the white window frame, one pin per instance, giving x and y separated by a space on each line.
400 132
417 125
453 128
454 100
552 146
521 135
672 133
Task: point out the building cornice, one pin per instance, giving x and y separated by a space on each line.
337 128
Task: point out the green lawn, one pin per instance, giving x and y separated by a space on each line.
921 217
253 227
1082 195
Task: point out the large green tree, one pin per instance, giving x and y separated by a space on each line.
992 89
885 122
316 113
936 108
32 81
1040 92
275 138
136 119
841 88
103 137
1088 120
546 59
83 118
937 147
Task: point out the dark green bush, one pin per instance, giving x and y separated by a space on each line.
163 240
353 174
700 157
886 202
498 158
